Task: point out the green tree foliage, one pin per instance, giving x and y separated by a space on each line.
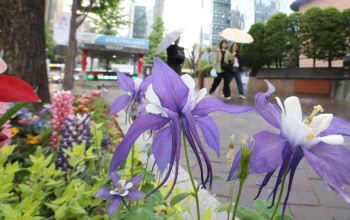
253 54
49 41
311 29
154 39
110 21
332 43
346 17
275 39
293 35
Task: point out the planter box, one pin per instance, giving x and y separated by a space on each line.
313 86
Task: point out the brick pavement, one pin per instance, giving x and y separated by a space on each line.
310 197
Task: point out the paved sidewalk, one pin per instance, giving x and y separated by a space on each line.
310 198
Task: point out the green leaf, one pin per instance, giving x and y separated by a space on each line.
146 211
225 207
52 206
18 106
261 207
178 198
247 214
207 215
76 210
286 217
9 212
216 178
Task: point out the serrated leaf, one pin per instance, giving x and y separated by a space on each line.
261 207
9 212
52 206
247 214
178 198
207 215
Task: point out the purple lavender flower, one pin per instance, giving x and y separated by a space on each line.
317 137
76 130
136 89
171 101
121 190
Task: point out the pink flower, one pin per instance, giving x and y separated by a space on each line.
61 107
5 134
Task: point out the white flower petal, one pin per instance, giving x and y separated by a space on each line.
137 82
200 95
126 192
189 82
152 97
292 107
128 185
122 183
332 139
153 109
296 131
321 122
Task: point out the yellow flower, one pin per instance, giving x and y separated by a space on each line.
14 131
33 139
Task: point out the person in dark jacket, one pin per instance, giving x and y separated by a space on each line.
176 56
237 63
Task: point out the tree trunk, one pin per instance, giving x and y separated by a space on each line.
68 72
298 60
329 63
22 37
314 62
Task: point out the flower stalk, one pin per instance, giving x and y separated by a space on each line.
195 193
246 153
230 160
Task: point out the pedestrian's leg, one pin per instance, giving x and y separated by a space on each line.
239 83
230 77
227 90
216 82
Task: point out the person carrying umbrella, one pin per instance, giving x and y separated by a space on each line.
176 56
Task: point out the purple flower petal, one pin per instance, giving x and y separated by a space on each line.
125 82
332 164
135 195
162 146
337 126
114 206
140 125
194 148
119 103
115 178
169 87
270 112
136 180
209 105
266 155
210 132
103 194
145 84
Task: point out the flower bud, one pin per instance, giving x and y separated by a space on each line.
246 152
229 155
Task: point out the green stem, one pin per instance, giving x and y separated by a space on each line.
281 192
231 197
189 169
132 160
237 199
149 153
97 148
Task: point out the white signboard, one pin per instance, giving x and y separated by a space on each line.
61 28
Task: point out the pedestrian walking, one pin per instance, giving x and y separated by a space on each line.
176 56
221 62
237 70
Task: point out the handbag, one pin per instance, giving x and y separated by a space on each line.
213 73
226 67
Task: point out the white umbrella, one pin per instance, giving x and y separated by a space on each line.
236 35
168 39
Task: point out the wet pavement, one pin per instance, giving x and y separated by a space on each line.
310 198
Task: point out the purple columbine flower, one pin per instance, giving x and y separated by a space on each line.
136 89
106 142
121 190
172 100
317 137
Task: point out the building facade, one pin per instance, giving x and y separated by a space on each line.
221 19
140 22
302 5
